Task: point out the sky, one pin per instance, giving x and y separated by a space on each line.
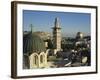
70 22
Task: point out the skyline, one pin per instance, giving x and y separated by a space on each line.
70 22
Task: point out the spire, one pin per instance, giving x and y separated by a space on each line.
57 22
31 28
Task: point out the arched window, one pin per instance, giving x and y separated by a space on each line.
41 59
35 59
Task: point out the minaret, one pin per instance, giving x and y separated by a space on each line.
57 35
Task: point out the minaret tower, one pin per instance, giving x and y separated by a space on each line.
57 35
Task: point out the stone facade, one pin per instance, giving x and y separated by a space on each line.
35 54
57 35
35 60
38 60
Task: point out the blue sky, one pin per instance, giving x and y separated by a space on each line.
71 23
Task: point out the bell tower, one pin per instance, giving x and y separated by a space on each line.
57 35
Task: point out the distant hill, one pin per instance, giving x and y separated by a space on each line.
43 35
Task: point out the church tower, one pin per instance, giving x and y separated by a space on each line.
57 35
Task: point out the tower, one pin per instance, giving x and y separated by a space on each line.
57 35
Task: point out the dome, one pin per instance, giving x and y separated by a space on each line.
33 43
79 35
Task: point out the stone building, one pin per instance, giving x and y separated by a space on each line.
34 51
57 35
79 35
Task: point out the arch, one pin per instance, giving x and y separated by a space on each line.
34 60
41 58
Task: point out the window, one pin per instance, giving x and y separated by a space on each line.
41 59
35 59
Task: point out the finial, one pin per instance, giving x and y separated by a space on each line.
57 18
57 22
